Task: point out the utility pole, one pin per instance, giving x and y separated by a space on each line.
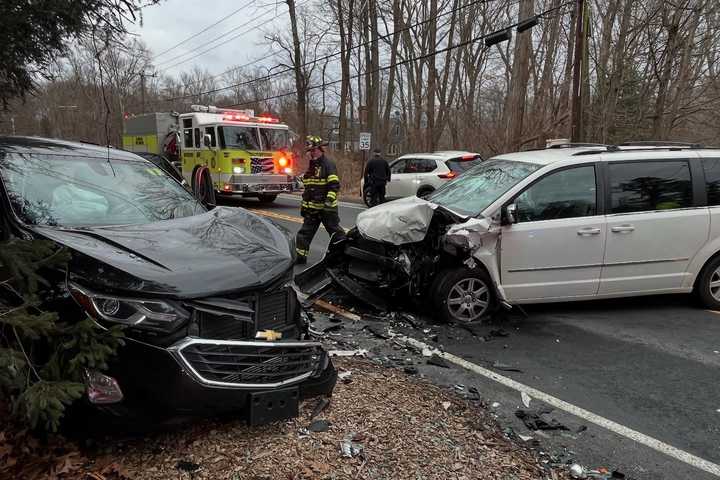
143 75
576 118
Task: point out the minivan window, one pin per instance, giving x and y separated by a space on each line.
568 193
77 191
712 180
474 191
647 186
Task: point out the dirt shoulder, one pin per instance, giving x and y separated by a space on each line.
401 427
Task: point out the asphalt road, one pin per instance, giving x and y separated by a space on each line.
650 364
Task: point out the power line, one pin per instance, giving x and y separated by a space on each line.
387 67
205 29
326 57
220 37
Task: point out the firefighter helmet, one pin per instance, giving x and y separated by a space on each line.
313 141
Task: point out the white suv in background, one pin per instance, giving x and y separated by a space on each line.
422 173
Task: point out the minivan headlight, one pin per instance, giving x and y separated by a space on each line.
157 315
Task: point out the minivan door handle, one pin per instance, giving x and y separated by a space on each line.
623 229
583 232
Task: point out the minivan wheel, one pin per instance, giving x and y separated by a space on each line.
708 286
463 295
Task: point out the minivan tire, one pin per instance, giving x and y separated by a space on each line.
473 285
704 288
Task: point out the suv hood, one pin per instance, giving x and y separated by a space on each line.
226 249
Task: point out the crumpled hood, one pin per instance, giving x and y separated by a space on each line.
398 222
223 250
404 221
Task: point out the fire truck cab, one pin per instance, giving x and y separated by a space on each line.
246 155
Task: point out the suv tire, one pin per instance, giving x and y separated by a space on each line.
710 295
463 295
423 191
267 198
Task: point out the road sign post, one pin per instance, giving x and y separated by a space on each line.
365 140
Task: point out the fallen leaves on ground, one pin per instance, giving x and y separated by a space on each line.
406 428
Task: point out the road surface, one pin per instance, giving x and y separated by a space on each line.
651 365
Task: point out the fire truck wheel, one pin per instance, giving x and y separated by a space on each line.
202 186
266 197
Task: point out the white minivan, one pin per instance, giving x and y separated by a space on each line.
560 224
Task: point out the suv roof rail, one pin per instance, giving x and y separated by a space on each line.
575 145
661 143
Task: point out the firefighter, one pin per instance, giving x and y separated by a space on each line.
377 175
319 200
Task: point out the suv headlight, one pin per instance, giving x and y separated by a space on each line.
157 315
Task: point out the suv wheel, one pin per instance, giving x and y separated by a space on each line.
708 286
463 295
425 191
267 197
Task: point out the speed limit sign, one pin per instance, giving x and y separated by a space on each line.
365 138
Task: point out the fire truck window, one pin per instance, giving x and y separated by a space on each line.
211 131
244 138
187 122
274 138
187 138
197 138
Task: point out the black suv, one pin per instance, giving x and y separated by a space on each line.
212 321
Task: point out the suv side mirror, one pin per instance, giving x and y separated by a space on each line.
207 140
508 215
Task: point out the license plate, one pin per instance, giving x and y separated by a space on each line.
272 406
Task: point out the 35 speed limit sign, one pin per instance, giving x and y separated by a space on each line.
365 139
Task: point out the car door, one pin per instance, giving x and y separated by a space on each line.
654 226
402 179
556 248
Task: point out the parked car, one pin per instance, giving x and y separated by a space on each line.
422 173
554 225
211 319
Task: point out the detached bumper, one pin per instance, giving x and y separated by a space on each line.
195 377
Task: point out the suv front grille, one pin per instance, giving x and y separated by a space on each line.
262 165
250 364
272 310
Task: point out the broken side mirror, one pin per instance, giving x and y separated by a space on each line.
207 140
509 214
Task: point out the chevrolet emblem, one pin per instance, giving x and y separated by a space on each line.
269 335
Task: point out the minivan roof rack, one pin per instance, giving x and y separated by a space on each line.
661 143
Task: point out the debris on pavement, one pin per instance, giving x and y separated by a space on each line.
505 368
350 448
344 377
329 307
319 426
525 399
525 438
379 332
348 353
533 419
577 471
411 370
438 361
446 405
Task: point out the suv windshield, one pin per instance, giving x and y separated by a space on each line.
274 138
75 191
244 138
475 190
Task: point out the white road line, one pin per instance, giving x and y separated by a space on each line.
603 422
342 204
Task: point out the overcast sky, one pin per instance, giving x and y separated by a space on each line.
173 21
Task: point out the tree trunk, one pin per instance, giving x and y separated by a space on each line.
520 77
390 94
300 81
432 77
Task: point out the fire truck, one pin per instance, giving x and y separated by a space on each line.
246 155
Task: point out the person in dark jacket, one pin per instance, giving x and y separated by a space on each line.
377 175
320 198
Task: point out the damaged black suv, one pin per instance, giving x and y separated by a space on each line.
212 321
